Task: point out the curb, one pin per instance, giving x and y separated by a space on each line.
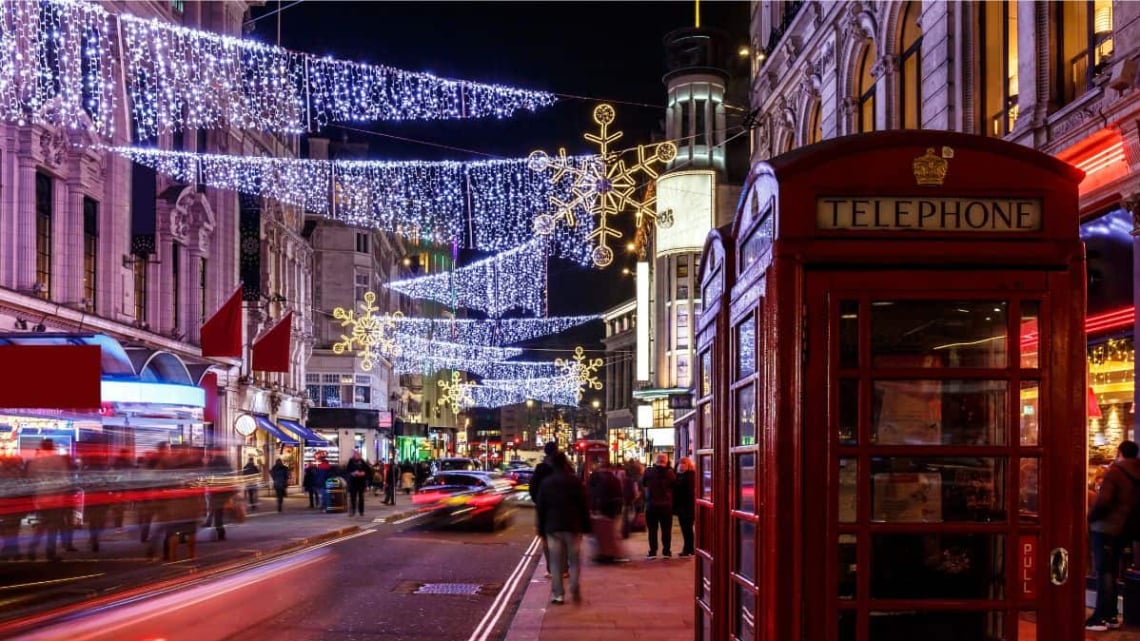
527 622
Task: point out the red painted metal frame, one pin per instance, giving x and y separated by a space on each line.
795 535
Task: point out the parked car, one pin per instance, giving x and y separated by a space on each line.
457 463
466 498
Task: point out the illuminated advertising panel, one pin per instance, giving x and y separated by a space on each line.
687 198
643 315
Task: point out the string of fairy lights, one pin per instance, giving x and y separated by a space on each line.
57 66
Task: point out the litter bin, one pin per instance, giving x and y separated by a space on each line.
1131 594
337 500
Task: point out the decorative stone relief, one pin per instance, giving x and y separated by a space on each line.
883 66
791 51
826 55
179 223
859 23
53 147
786 115
816 14
810 82
1073 121
1131 204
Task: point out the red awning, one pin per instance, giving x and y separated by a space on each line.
50 377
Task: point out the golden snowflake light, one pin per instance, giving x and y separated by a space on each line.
605 188
371 333
456 393
581 371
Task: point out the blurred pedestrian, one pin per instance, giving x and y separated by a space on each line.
309 485
252 474
541 472
391 480
685 503
563 517
14 503
220 490
321 478
633 504
358 472
279 473
1119 495
658 483
48 474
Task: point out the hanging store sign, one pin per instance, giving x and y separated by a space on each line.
930 214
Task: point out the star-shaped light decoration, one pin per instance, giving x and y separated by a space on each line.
456 393
581 371
603 188
371 334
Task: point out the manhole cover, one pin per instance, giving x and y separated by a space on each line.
449 588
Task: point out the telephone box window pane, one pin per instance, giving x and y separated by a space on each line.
848 411
1030 333
933 333
938 489
848 565
746 415
1027 494
937 626
849 334
930 412
938 566
706 426
746 483
704 531
847 620
706 626
706 374
746 348
746 549
746 614
848 490
704 579
706 476
1030 425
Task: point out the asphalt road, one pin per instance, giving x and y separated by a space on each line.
384 581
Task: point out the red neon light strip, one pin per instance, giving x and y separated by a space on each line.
1116 319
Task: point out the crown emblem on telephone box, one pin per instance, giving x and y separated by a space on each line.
930 168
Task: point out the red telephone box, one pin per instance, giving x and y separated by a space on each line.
890 397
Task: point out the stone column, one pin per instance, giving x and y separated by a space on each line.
25 224
1131 204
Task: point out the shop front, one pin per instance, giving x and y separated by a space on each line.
884 438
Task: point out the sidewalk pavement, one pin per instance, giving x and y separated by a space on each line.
642 599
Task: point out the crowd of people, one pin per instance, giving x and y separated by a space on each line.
607 501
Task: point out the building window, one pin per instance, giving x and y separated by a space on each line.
866 91
361 243
140 272
700 136
176 283
363 285
815 124
178 6
685 121
44 185
202 291
1083 45
90 250
910 69
997 72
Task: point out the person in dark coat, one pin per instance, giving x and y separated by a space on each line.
563 517
279 473
391 480
252 475
685 503
1119 495
309 485
659 481
220 488
541 472
358 471
605 507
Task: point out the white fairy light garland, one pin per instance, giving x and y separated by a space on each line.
487 202
511 280
493 332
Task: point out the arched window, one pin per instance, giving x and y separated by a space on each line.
815 124
910 68
996 54
866 91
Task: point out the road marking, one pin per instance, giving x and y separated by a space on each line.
499 605
37 584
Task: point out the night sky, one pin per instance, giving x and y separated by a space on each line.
599 51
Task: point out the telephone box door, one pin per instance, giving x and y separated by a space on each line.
935 434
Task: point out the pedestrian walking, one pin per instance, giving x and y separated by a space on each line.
541 472
685 503
1119 495
658 484
15 506
309 485
358 472
321 477
279 473
252 475
391 480
220 490
563 517
633 504
48 474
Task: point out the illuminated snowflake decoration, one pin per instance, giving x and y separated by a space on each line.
581 371
605 188
371 334
456 393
